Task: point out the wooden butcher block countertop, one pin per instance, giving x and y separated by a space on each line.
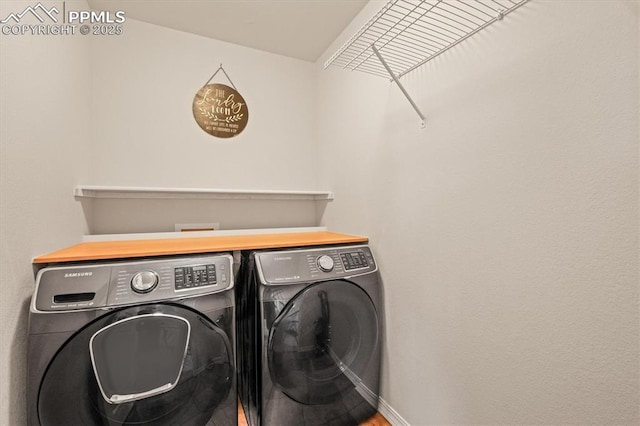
99 250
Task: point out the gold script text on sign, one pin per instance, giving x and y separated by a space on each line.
220 110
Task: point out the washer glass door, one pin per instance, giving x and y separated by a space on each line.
321 344
143 365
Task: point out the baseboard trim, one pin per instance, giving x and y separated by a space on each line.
390 414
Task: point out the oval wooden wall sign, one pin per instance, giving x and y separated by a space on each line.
220 110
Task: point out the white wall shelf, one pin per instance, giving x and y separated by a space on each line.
122 192
406 34
409 33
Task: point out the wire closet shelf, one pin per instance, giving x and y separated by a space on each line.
409 33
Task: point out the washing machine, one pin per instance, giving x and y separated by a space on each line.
310 328
136 342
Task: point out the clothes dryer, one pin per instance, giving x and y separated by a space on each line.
310 327
137 342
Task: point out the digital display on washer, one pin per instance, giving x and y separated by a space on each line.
353 260
194 276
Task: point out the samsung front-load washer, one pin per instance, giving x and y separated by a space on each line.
137 342
309 328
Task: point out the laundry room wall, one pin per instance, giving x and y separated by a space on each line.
144 133
45 144
507 229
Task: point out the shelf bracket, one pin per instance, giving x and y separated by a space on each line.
406 94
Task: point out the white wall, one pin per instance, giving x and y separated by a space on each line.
44 141
117 216
507 230
145 134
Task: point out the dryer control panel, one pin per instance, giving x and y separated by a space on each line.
91 286
293 266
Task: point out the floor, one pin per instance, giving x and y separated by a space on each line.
377 420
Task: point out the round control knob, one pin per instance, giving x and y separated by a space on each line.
325 263
144 282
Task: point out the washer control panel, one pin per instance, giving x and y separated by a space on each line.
122 283
354 260
195 276
293 266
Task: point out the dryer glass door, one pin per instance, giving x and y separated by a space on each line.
321 344
153 364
